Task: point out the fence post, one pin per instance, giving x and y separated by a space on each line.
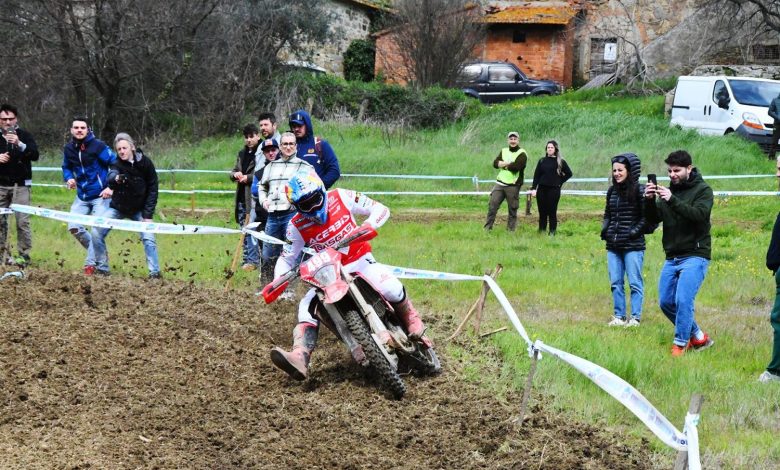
192 202
528 383
682 456
173 179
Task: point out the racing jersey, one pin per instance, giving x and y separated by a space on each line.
343 205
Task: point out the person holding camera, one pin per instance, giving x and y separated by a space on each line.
17 151
132 187
85 162
684 208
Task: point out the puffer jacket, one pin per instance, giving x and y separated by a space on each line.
624 225
138 191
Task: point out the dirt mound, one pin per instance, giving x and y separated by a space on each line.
119 373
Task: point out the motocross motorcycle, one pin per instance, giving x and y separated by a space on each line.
360 317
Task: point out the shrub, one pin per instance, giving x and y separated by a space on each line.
359 61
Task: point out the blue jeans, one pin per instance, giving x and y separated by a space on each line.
620 264
99 242
96 207
276 226
251 248
678 285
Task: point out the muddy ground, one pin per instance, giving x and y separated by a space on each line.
130 373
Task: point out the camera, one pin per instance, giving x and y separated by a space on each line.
121 179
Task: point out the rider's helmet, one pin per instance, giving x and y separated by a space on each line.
306 193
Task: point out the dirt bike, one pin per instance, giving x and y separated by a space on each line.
360 317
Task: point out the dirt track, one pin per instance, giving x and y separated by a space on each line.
129 373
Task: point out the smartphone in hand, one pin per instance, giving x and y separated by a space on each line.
651 178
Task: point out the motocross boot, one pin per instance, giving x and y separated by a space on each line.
296 362
409 316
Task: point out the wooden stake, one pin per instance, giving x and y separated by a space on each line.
483 335
239 247
480 301
694 408
528 384
192 203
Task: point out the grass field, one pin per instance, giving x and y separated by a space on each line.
558 286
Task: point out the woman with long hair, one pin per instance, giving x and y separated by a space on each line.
550 174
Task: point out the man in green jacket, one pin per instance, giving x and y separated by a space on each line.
511 168
684 208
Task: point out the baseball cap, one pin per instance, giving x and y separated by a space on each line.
269 143
296 118
513 133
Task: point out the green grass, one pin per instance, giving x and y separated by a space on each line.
558 286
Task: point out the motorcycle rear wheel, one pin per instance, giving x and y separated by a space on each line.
388 376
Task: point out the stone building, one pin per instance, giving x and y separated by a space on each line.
348 20
571 41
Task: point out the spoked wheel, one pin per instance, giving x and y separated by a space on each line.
388 375
423 361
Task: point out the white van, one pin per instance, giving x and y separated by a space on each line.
721 105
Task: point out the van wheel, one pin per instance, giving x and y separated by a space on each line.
728 131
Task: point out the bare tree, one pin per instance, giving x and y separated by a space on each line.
435 37
768 10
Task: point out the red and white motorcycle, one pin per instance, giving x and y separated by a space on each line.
360 317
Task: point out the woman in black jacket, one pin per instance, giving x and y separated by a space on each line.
624 231
550 174
133 185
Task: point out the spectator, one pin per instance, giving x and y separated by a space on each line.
268 130
243 174
550 174
270 151
684 209
314 150
774 113
510 163
623 229
17 151
322 219
772 372
85 165
271 195
132 186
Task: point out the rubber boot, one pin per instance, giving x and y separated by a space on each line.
296 362
409 316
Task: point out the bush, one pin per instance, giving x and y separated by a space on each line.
376 102
359 61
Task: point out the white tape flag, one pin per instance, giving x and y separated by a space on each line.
123 224
262 236
623 392
690 430
4 211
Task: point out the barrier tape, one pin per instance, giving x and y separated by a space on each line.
123 224
4 211
618 388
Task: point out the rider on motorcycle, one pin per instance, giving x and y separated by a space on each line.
322 219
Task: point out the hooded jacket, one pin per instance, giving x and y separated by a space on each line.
138 191
323 160
87 162
18 170
623 227
774 108
686 218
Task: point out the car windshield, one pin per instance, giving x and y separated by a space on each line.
754 92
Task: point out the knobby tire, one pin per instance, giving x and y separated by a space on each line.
388 376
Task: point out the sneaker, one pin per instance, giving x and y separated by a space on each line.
248 267
89 270
768 377
699 345
677 351
156 275
617 322
102 272
632 322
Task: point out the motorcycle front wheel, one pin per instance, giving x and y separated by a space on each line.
388 376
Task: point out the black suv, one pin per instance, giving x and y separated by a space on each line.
494 82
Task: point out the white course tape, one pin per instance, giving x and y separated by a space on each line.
123 224
627 395
4 210
692 432
262 236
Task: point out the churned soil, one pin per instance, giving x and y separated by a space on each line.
132 373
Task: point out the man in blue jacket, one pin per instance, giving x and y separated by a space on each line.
85 165
313 150
774 113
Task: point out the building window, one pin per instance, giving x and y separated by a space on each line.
518 36
766 52
603 55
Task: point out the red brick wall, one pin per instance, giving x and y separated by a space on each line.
546 53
